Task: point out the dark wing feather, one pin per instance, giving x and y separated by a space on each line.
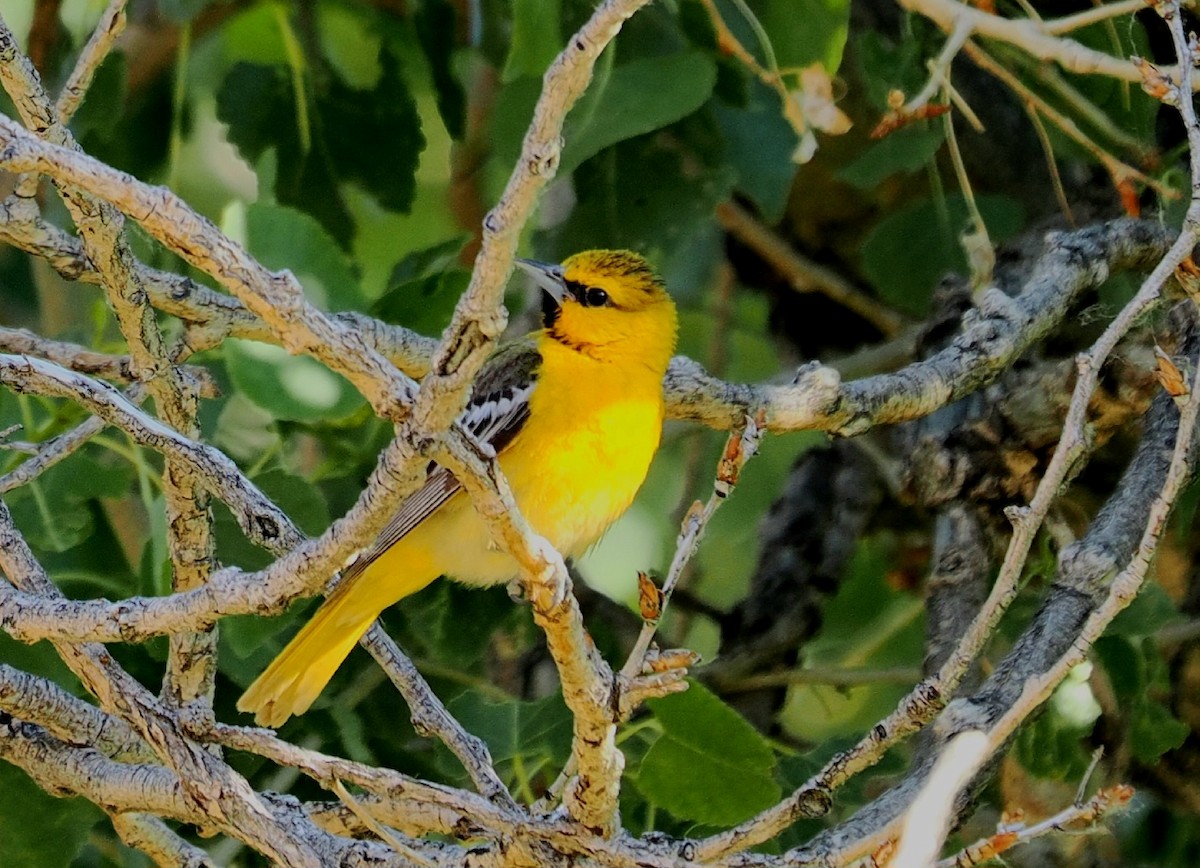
498 408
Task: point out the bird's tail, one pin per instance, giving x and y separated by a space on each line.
298 675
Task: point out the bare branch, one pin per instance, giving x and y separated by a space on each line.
169 751
68 718
993 337
191 670
51 452
739 448
84 361
1076 818
207 784
153 837
99 45
430 716
1037 38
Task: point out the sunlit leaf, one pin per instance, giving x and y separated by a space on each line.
710 765
629 100
807 31
285 238
297 388
536 38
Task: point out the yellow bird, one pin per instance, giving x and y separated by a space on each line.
575 414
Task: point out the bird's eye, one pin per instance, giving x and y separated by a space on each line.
595 297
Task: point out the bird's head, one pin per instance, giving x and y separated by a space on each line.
608 304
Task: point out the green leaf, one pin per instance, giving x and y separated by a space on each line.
296 388
100 114
281 237
1052 748
38 829
183 11
385 143
724 567
934 229
698 719
1150 610
352 733
430 261
349 41
1131 110
88 475
760 144
372 138
804 32
1125 664
642 197
867 623
884 66
423 288
156 559
300 499
434 618
637 98
536 38
53 511
257 103
250 642
38 659
630 100
57 530
906 150
703 785
1136 670
696 25
516 728
435 24
254 35
424 304
1154 731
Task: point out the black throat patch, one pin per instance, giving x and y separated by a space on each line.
550 310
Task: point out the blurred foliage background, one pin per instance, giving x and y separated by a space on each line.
359 143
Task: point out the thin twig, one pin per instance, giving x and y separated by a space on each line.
430 716
105 35
929 696
1118 170
768 75
739 448
1100 12
827 675
385 834
1037 38
86 361
1078 817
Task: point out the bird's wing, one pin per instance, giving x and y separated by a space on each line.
498 409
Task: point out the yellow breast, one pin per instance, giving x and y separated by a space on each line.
595 439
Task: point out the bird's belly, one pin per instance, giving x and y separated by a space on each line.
570 490
588 474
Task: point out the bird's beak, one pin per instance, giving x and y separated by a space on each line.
548 277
